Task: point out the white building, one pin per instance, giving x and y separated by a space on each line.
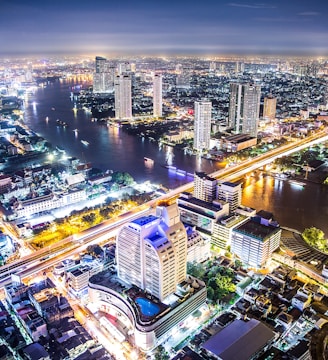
123 99
204 187
198 248
244 108
254 242
231 193
157 96
103 77
151 252
202 125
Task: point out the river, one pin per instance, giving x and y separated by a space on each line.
111 148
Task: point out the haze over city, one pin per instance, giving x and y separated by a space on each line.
164 27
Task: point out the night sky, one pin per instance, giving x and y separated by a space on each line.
164 27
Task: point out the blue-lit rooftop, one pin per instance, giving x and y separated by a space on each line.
144 220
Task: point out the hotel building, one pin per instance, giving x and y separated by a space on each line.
150 293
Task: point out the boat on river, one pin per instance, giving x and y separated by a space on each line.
84 142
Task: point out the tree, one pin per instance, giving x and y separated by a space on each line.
315 237
89 218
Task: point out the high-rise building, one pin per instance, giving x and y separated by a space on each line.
149 292
124 68
231 193
204 187
183 77
123 100
269 108
103 77
254 242
152 252
212 66
202 125
157 95
244 108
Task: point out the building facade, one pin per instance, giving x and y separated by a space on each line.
231 193
157 96
152 252
123 97
204 187
244 108
103 77
269 109
254 242
202 125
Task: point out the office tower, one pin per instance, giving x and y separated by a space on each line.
212 66
183 77
202 125
123 100
254 242
244 108
103 78
231 193
157 95
124 68
240 67
29 73
204 187
269 109
151 252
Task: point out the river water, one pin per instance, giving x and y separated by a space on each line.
111 148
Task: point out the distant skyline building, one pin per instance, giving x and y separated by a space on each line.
157 96
212 66
183 77
152 252
103 77
269 108
202 125
244 108
123 97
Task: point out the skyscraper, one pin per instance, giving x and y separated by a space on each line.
202 125
152 252
157 95
269 109
244 108
103 78
123 100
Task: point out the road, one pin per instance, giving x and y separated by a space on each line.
53 254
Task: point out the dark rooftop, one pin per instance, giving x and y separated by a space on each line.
256 230
239 340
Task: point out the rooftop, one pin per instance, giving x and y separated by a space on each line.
239 340
144 220
256 230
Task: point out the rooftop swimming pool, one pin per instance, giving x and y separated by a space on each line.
147 307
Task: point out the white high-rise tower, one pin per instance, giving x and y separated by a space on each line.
157 96
202 125
151 252
103 77
244 108
123 100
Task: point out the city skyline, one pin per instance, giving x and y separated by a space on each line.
36 27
